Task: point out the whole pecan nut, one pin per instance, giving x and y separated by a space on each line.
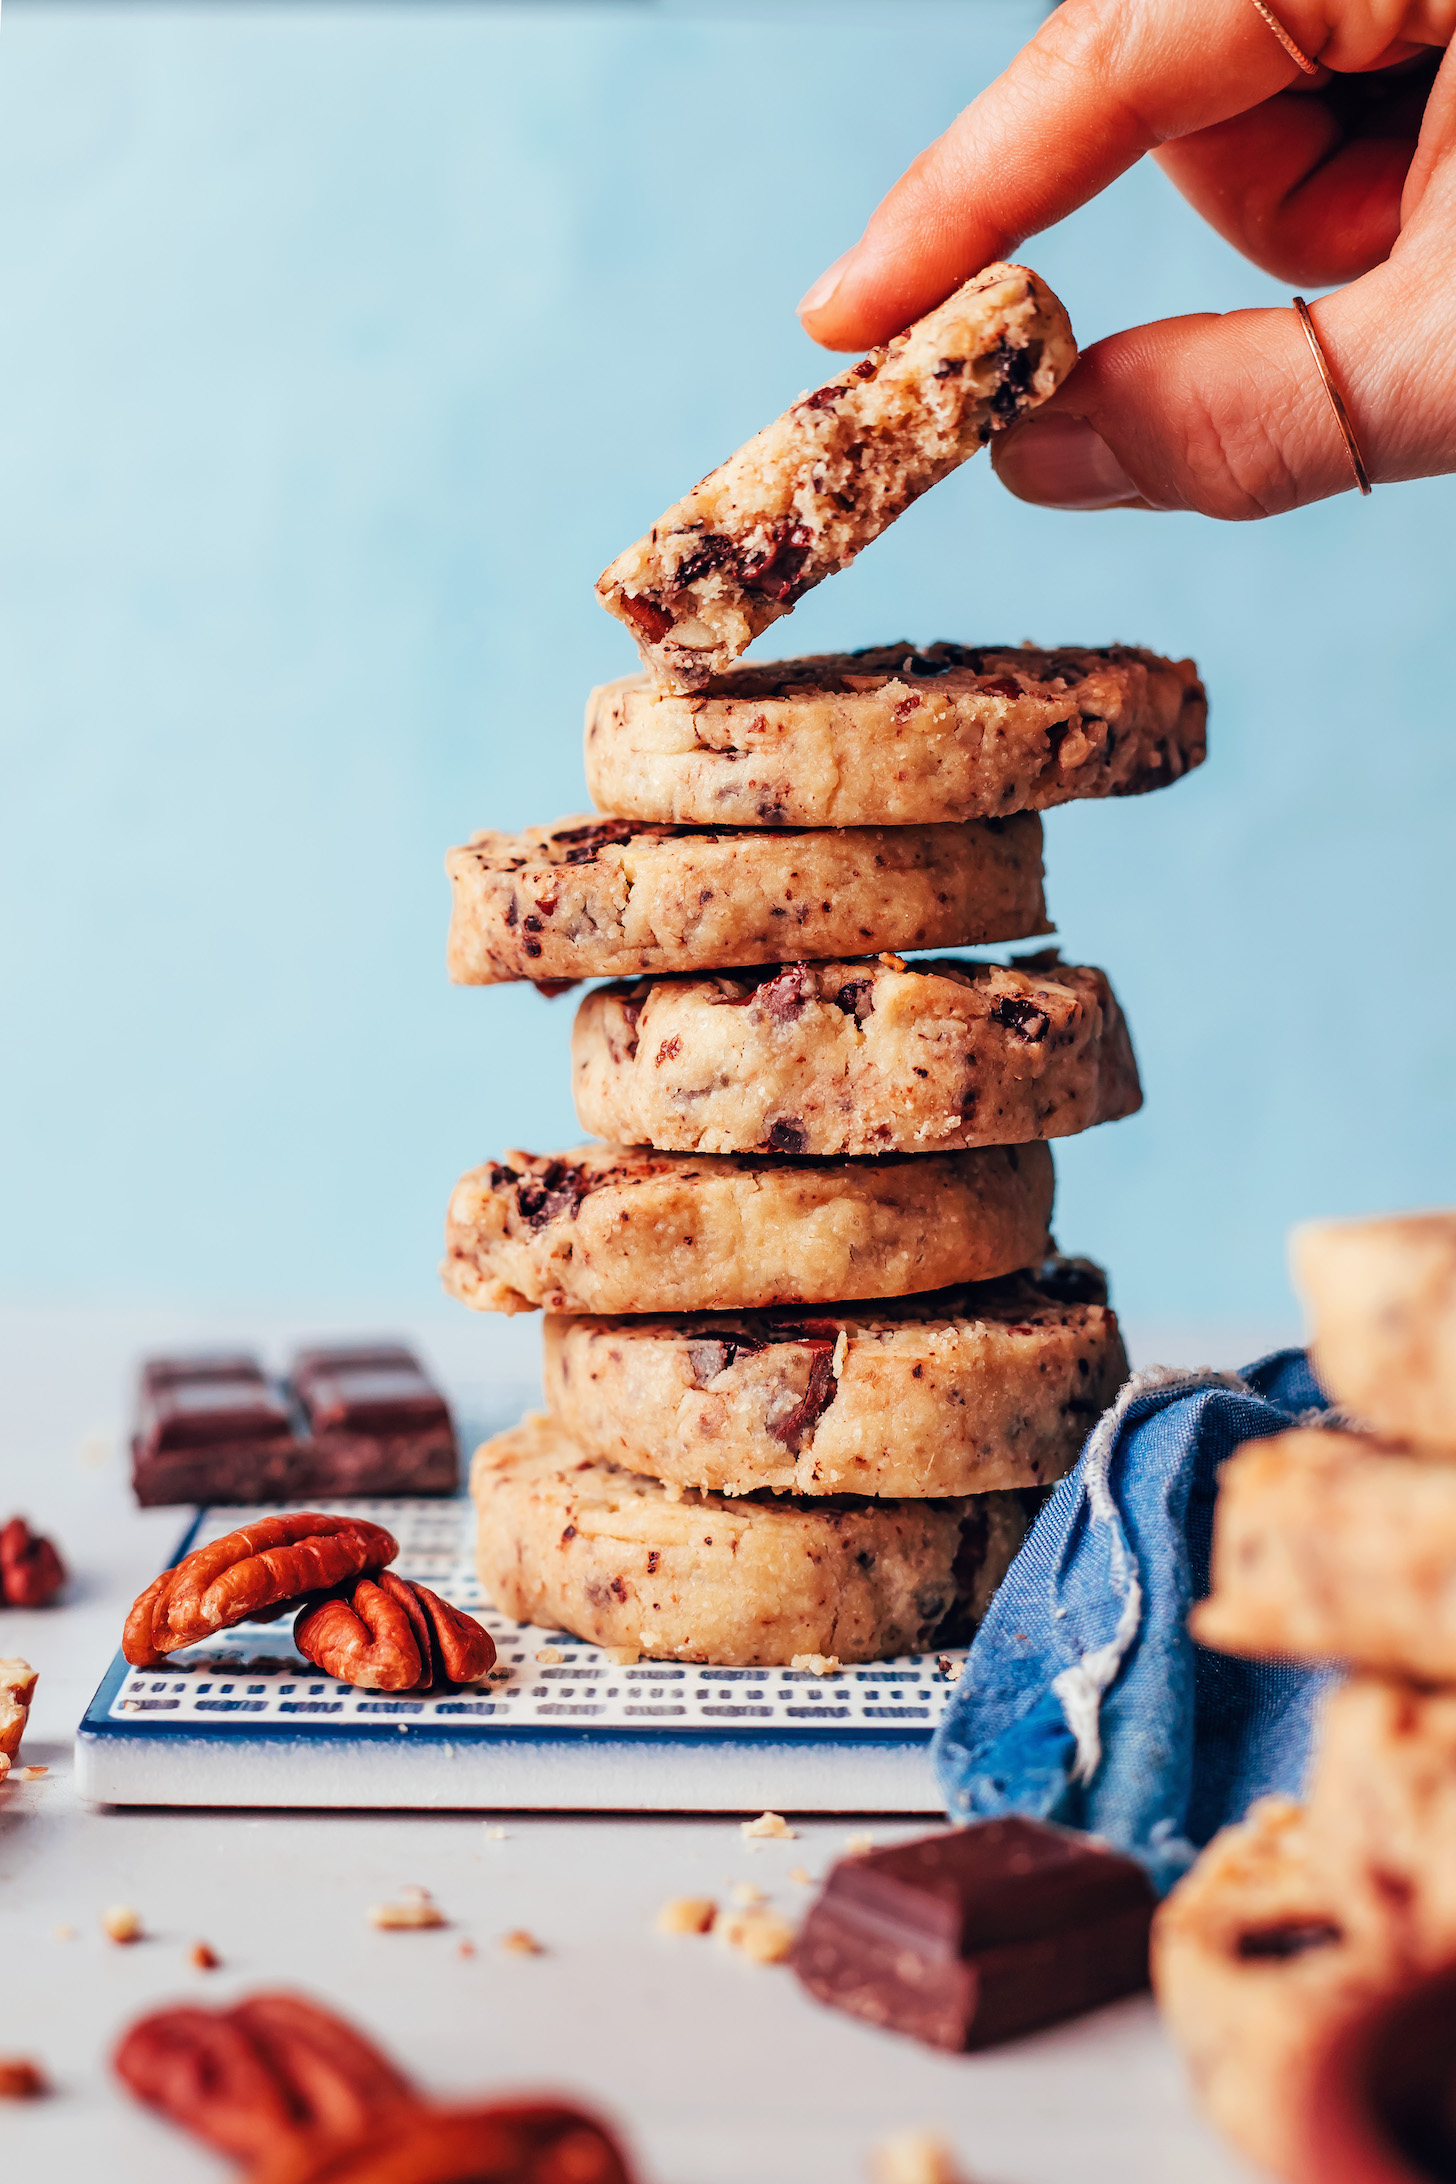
302 2098
257 1571
31 1572
387 1633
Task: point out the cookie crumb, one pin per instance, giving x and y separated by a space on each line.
671 1490
914 2157
202 1958
121 1923
816 1664
622 1656
494 1834
802 1875
951 1670
768 1825
686 1915
30 1774
855 1846
63 1933
519 1943
745 1895
415 1909
466 1949
762 1936
552 1656
21 2079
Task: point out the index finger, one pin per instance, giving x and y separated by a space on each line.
1102 82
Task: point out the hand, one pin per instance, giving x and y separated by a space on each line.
1345 176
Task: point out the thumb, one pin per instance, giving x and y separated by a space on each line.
1228 416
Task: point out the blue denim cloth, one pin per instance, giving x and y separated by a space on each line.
1084 1699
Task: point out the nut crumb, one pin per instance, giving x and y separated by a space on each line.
202 1958
914 2157
519 1943
30 1774
121 1923
622 1656
671 1490
21 2079
760 1935
686 1915
951 1670
816 1664
768 1825
841 1352
802 1875
414 1909
552 1656
855 1846
466 1949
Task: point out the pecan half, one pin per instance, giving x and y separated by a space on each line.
385 1633
302 2098
31 1572
260 1569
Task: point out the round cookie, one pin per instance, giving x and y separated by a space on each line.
613 1228
1381 1296
1253 1964
866 1056
606 898
572 1544
959 1392
1327 1546
893 737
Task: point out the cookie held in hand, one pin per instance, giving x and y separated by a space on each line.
257 1571
384 1633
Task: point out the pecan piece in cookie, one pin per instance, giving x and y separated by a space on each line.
260 1568
385 1634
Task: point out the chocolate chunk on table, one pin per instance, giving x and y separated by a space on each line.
363 1420
210 1428
377 1425
971 1936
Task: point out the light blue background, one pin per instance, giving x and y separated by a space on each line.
339 349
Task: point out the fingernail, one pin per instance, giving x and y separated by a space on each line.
816 297
1062 462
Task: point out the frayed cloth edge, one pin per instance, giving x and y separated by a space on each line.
1080 1688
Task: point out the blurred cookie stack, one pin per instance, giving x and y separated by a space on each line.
1335 1546
739 1464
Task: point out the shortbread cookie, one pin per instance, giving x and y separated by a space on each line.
892 737
1381 1297
1329 1546
611 1228
573 1544
605 898
1253 1963
798 502
868 1056
1382 1801
990 1386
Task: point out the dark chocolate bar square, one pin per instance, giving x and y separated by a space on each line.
976 1934
376 1424
210 1428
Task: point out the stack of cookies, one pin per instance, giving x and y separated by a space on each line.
1334 1545
808 1351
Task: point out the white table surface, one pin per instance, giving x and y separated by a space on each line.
717 2071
